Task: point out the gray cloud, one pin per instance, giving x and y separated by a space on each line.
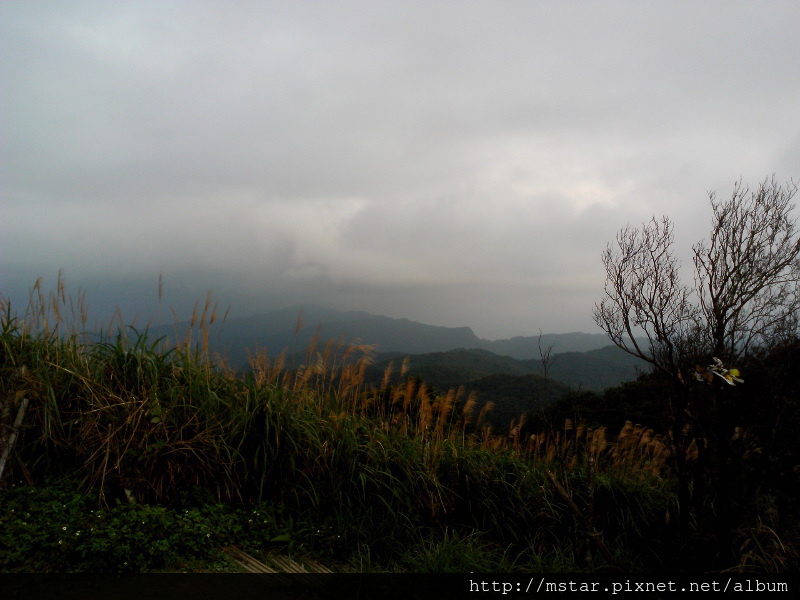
456 162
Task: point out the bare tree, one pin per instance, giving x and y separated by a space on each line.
746 289
646 310
748 273
745 297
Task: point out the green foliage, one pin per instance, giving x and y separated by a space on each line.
54 528
57 529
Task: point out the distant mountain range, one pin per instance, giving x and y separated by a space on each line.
294 328
443 356
509 373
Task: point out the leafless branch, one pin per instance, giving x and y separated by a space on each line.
746 288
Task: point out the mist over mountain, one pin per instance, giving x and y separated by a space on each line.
443 357
525 347
293 329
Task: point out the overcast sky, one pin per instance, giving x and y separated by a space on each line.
452 162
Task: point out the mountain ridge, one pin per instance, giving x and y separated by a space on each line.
594 370
445 356
295 327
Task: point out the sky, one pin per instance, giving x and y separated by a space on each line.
459 162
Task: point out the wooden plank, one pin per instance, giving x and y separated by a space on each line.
278 563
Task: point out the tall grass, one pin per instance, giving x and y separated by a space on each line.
136 419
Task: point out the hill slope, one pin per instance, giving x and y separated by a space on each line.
595 370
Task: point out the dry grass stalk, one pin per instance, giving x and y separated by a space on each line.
482 415
466 412
636 450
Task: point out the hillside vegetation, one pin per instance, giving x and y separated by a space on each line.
593 370
131 455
